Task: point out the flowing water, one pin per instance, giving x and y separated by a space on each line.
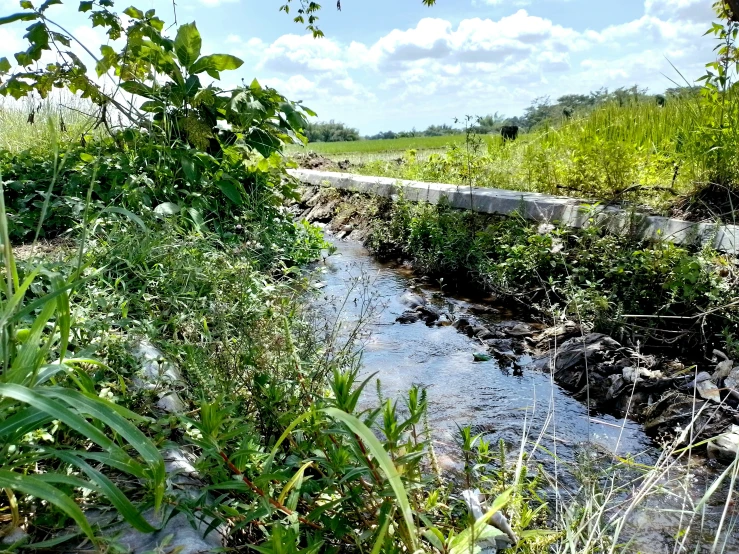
490 398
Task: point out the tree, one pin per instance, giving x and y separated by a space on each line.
331 131
307 13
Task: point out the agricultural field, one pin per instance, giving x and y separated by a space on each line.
658 156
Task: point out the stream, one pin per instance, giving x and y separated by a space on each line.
495 401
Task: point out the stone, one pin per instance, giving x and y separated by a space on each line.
322 212
722 371
158 374
429 313
708 391
413 301
408 317
519 330
732 381
482 310
461 324
725 447
541 364
14 537
486 335
637 374
178 535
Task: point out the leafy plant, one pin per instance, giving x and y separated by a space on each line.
56 432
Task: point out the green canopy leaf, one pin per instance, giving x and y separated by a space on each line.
187 44
216 62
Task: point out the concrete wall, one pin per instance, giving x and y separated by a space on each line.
535 206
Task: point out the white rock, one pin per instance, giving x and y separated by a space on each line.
158 374
725 447
722 370
708 391
634 374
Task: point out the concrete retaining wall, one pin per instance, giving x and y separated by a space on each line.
535 206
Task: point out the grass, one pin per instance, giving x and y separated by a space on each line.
20 132
639 152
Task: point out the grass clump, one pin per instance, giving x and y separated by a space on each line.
589 275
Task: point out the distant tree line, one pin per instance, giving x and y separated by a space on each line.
542 111
331 131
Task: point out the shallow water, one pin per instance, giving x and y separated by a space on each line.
486 396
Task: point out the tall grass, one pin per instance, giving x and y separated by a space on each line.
23 123
640 152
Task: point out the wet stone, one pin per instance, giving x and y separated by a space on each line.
461 324
708 391
408 317
726 446
519 330
723 370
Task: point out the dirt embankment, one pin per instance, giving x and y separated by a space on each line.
666 394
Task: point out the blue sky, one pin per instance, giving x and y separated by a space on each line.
396 64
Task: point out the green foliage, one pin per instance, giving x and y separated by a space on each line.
53 423
591 275
330 132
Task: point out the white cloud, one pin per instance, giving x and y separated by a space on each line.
436 70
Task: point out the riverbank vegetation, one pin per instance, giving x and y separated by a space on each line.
163 230
166 219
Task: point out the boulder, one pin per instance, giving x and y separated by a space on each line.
408 317
461 324
722 371
413 301
519 330
725 447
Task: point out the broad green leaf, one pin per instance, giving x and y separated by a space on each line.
104 485
197 219
32 486
25 421
57 410
262 141
4 65
46 5
139 89
187 44
466 540
386 464
216 62
188 166
85 157
134 13
231 190
102 410
26 4
167 208
85 6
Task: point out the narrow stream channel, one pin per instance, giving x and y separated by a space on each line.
490 398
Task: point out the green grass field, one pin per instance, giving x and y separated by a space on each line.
639 152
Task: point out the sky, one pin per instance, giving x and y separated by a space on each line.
397 64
